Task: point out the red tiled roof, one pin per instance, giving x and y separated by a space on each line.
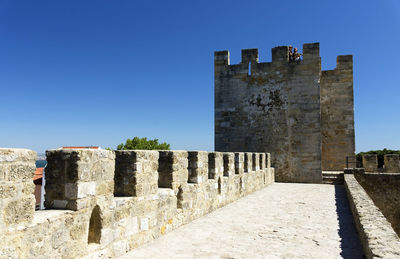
37 178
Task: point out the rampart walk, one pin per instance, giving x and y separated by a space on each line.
104 203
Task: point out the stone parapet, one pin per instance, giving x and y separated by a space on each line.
101 204
378 238
383 189
370 162
392 163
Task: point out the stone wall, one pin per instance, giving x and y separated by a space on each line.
337 114
103 203
377 237
276 106
391 163
383 188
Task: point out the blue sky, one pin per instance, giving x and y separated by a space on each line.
98 72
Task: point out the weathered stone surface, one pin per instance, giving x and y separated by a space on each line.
74 178
136 172
392 163
277 106
17 202
337 114
384 190
282 221
378 238
370 163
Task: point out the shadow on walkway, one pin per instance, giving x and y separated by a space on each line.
349 243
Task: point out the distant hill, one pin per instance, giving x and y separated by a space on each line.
41 163
41 156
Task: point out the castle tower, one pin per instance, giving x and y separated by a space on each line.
302 115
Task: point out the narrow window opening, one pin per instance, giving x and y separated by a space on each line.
226 165
40 182
253 162
95 226
219 186
211 166
192 170
249 70
237 164
179 198
165 170
246 163
261 161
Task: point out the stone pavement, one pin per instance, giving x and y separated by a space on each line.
283 220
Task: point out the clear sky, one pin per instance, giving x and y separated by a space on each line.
98 72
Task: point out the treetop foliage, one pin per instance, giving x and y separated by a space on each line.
143 144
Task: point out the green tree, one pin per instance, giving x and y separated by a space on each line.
143 143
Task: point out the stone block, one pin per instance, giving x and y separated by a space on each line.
172 169
370 162
229 164
239 163
17 165
136 172
215 165
197 169
392 163
73 177
19 211
248 162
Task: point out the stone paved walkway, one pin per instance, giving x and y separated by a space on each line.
281 221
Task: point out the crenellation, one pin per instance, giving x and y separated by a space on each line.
249 55
280 54
75 178
86 217
311 51
239 163
221 58
392 163
344 62
370 163
198 171
136 173
173 169
229 164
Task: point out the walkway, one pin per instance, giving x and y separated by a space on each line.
281 221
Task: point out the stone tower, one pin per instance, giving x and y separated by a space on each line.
302 115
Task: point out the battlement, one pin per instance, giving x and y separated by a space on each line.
280 55
109 202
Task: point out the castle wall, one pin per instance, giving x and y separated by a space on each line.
391 163
337 115
101 204
272 106
378 238
384 190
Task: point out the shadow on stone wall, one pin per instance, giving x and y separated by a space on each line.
350 242
383 189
